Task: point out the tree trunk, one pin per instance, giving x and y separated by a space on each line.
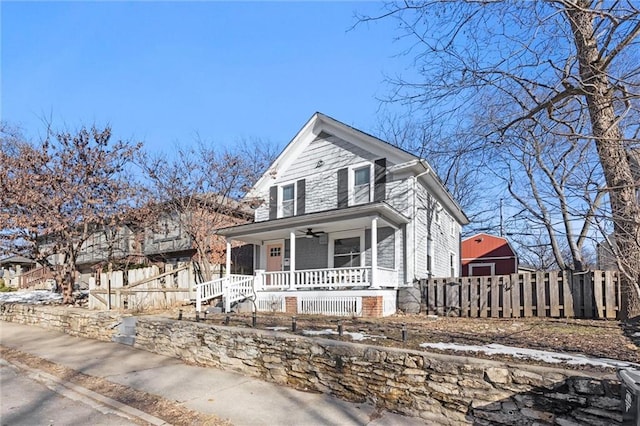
67 287
612 154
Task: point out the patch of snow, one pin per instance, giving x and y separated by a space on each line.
636 334
277 328
546 356
318 332
354 335
33 297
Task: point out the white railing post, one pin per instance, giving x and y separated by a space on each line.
258 280
228 259
374 253
198 298
292 260
226 284
227 296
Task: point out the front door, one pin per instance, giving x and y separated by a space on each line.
274 257
274 260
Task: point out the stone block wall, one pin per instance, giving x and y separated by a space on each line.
443 389
438 388
74 321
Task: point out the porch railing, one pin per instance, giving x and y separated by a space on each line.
328 278
37 276
238 287
233 288
387 277
209 290
335 277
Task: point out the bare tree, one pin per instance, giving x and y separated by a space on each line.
54 195
557 61
457 159
556 182
198 189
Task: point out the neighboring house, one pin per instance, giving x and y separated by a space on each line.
485 254
168 241
13 268
164 242
115 244
344 219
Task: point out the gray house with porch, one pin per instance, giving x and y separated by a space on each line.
342 220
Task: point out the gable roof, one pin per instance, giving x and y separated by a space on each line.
485 244
321 123
16 259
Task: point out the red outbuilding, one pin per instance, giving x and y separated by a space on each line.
485 254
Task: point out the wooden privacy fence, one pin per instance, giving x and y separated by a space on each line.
555 294
144 288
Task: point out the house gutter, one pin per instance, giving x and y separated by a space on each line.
415 212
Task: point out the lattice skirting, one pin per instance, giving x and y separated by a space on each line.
353 303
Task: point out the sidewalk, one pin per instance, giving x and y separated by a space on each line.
242 400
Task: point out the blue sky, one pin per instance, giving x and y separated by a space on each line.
165 72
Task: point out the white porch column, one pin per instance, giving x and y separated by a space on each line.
292 260
228 263
227 274
374 253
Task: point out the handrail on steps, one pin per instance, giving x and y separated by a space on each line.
231 288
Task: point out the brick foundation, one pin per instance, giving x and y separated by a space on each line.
291 305
372 306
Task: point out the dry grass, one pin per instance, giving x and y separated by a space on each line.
596 338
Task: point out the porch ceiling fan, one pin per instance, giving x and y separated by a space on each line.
310 234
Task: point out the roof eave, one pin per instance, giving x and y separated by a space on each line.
380 208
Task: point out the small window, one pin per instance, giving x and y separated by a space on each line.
436 213
452 226
274 251
362 185
452 262
288 197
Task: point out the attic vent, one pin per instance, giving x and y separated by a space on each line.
323 135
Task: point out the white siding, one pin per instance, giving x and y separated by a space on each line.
443 242
335 154
397 194
322 181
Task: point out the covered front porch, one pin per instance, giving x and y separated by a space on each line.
347 260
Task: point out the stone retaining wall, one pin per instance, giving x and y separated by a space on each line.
74 321
438 388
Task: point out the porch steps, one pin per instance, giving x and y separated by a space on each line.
232 289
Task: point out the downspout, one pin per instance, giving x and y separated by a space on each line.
415 213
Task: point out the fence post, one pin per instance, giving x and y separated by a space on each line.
567 293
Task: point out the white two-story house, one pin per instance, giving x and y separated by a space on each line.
343 219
